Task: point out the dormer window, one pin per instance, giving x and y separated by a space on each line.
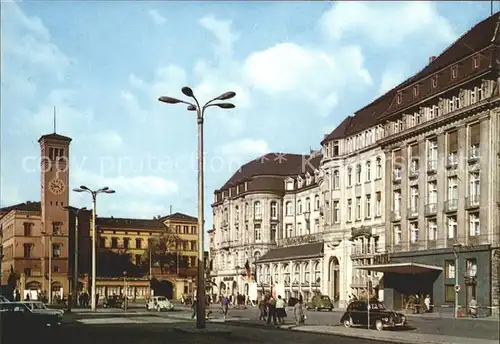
336 148
434 81
476 61
415 91
454 72
399 97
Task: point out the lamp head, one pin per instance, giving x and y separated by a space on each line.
187 91
226 96
169 100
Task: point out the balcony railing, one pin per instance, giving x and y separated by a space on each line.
430 209
472 201
412 212
431 166
395 215
452 161
450 205
473 153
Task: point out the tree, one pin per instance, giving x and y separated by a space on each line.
163 251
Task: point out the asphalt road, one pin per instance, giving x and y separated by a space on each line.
168 333
471 328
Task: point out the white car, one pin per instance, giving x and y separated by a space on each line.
39 307
159 303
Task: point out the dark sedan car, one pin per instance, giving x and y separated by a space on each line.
357 314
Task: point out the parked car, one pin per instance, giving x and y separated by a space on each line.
159 303
114 301
380 318
40 307
319 302
15 313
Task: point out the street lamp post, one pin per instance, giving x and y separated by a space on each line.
75 248
94 194
456 251
125 291
200 112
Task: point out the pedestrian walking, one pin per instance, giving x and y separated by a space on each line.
271 310
193 306
298 313
280 310
473 307
263 308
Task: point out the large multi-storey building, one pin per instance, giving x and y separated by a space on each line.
405 186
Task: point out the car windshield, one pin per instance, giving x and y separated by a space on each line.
162 299
325 297
377 305
37 306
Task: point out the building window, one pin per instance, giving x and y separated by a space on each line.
289 230
138 243
193 230
192 262
308 205
336 211
349 210
27 228
56 228
452 227
399 98
137 259
471 267
316 202
299 229
397 202
474 224
378 203
299 207
415 91
56 269
368 171
358 208
434 81
27 272
449 269
414 199
126 243
336 180
349 176
474 187
257 211
258 232
449 293
454 72
185 229
368 206
452 189
288 207
274 229
397 234
358 174
414 232
114 242
178 229
28 250
56 250
274 210
378 168
433 230
432 154
432 193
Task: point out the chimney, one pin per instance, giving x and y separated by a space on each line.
432 58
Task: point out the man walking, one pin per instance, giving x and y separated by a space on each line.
271 310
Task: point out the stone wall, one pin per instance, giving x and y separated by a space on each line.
495 282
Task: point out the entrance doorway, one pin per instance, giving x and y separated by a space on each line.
334 279
164 288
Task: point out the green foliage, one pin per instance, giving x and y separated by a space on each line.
163 252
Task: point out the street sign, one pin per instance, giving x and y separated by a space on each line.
457 287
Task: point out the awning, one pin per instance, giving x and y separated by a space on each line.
304 251
402 268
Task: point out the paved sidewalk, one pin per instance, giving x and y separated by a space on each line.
389 336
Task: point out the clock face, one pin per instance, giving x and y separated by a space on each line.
57 186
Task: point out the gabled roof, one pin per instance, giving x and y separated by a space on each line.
55 136
339 132
131 224
179 217
26 206
275 164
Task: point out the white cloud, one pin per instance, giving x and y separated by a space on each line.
391 78
133 185
309 73
387 24
26 38
223 32
158 19
9 193
241 150
108 140
138 210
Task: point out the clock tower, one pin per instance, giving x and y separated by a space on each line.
54 166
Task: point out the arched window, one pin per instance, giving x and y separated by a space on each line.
289 211
296 273
349 176
256 256
358 174
257 211
237 214
267 274
307 273
308 204
286 273
276 274
336 179
316 202
378 168
317 272
274 210
368 171
299 207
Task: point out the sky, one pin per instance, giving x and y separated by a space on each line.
298 69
